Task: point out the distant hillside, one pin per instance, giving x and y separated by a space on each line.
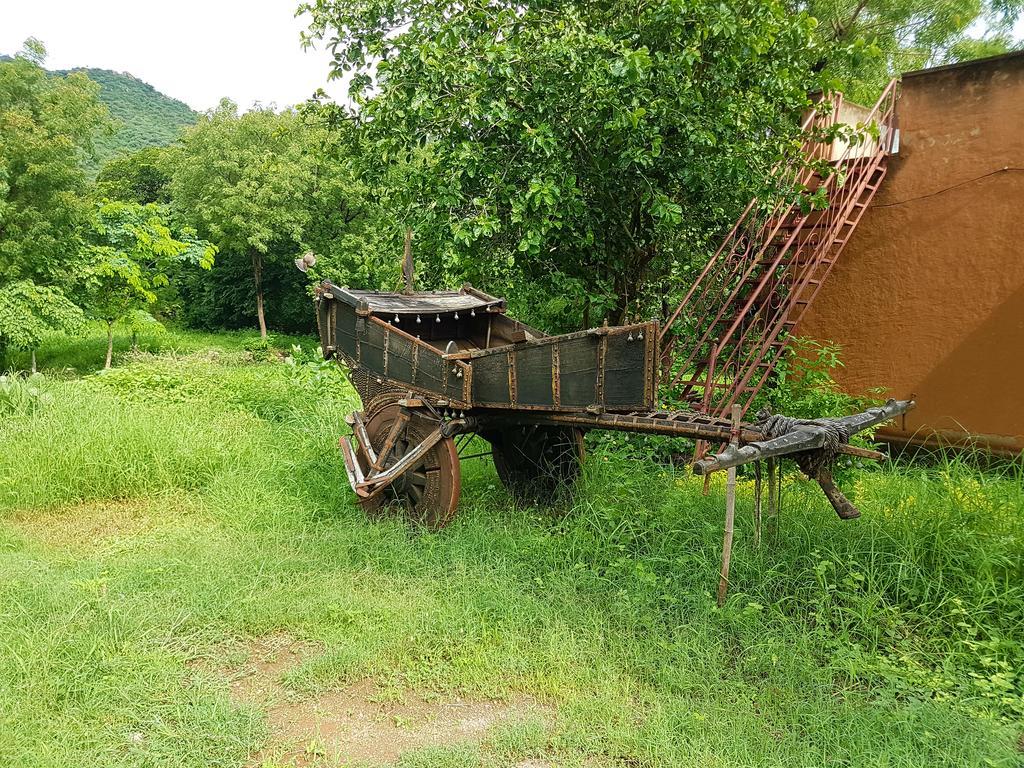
147 117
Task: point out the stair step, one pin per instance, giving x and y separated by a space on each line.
802 238
811 226
820 242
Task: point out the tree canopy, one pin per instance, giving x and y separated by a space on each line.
243 181
581 159
28 312
46 126
587 150
138 177
265 187
867 42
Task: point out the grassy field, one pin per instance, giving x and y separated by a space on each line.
168 527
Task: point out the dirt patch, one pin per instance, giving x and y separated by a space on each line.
361 723
90 525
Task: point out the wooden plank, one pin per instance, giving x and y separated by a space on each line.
512 393
389 443
556 377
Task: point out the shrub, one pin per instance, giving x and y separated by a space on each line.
804 386
20 396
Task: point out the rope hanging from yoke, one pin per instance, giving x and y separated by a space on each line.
817 463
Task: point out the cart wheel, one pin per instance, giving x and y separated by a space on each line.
537 464
428 492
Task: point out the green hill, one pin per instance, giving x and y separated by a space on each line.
146 117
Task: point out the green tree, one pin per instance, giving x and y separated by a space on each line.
46 126
585 151
28 312
267 187
138 177
351 227
870 41
244 182
129 258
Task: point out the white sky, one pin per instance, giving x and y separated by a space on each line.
197 51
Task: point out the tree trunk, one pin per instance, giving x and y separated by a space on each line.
33 362
110 344
257 274
135 340
629 281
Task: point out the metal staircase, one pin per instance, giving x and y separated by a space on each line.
724 340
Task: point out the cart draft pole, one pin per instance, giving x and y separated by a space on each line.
730 510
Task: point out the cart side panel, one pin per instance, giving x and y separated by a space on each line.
400 359
491 380
533 375
577 366
611 368
627 371
344 322
407 361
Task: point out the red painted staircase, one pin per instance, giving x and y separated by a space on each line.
724 340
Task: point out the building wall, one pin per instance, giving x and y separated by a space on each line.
927 299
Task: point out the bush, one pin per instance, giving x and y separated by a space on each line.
20 396
804 386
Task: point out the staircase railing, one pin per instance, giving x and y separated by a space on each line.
729 264
737 315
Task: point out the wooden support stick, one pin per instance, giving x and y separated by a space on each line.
408 274
378 482
757 505
359 430
700 450
842 505
730 513
864 453
773 509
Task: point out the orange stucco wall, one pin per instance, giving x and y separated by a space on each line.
927 299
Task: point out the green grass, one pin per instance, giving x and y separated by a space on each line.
151 514
63 357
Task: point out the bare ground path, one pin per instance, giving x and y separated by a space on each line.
360 723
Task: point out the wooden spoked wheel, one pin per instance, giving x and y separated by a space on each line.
537 464
426 494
